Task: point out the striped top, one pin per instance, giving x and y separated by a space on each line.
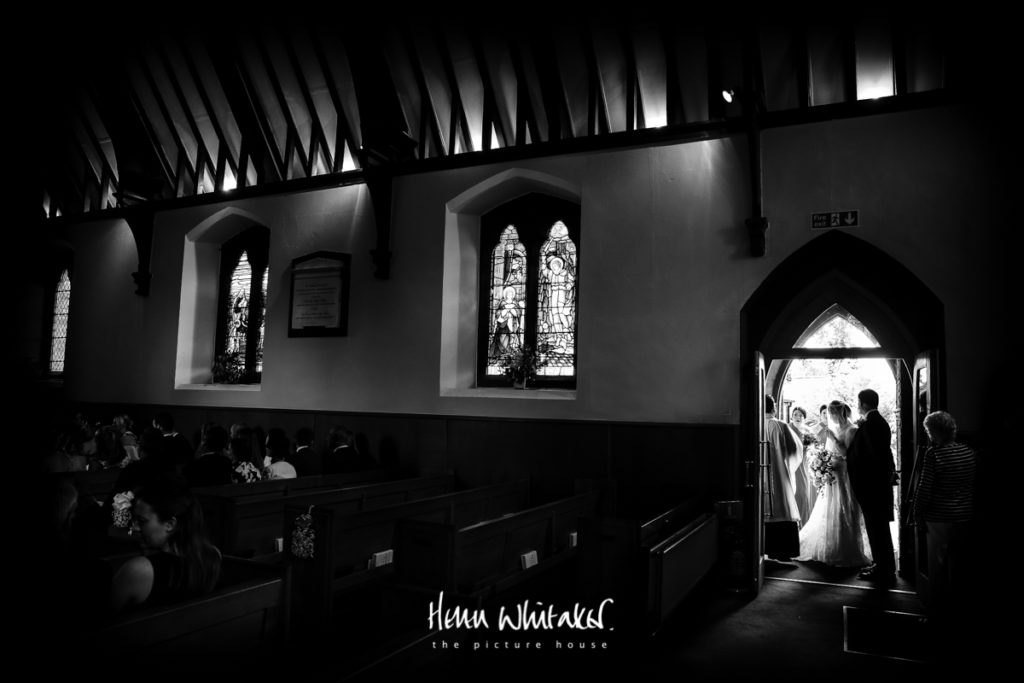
946 490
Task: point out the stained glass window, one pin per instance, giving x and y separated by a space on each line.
242 312
529 289
556 304
508 298
59 335
238 312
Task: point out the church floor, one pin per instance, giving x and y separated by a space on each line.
806 620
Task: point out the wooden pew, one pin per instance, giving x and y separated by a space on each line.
473 563
648 565
96 483
247 524
345 541
245 617
483 559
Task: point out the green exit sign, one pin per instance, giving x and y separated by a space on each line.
835 219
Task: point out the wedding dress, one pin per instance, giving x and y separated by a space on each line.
835 533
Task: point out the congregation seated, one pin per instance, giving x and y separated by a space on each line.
179 562
71 449
278 448
306 460
122 426
212 467
68 584
246 458
154 460
178 446
345 455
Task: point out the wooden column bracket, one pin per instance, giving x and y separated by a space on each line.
140 220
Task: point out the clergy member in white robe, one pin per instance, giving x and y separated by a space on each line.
781 509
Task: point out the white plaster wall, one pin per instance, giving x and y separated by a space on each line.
664 274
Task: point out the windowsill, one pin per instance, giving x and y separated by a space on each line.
509 392
217 387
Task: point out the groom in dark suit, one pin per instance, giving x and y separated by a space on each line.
871 467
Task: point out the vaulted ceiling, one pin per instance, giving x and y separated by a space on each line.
175 111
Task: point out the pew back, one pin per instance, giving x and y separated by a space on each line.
246 615
344 540
247 524
649 565
473 558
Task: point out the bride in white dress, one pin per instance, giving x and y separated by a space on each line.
835 533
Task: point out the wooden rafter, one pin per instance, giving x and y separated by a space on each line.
459 125
225 155
526 117
183 162
257 137
597 103
317 137
430 124
673 93
105 170
802 64
491 111
849 45
203 157
553 95
899 59
292 140
165 162
343 133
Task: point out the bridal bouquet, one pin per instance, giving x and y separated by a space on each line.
821 466
121 509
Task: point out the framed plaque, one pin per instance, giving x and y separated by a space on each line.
319 301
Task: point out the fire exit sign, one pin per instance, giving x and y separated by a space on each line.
835 219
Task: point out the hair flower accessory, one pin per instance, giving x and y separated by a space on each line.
121 509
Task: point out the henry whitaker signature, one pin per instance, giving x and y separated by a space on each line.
525 617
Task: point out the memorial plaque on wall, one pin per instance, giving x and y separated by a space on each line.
319 301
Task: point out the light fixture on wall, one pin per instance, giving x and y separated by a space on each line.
729 95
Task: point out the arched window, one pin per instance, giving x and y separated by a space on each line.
836 328
242 307
59 326
530 288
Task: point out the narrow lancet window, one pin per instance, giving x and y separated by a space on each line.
59 335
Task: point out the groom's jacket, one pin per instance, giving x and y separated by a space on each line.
870 464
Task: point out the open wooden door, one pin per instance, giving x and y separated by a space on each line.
924 400
755 471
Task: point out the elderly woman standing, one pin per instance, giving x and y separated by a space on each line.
944 503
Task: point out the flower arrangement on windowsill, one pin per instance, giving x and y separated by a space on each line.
521 365
229 368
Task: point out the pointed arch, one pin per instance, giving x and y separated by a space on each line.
852 332
837 268
212 254
461 280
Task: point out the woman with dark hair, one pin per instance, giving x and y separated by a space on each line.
278 449
248 463
179 562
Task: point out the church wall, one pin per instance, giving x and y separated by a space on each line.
664 274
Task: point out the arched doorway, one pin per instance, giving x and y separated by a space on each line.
808 381
837 276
